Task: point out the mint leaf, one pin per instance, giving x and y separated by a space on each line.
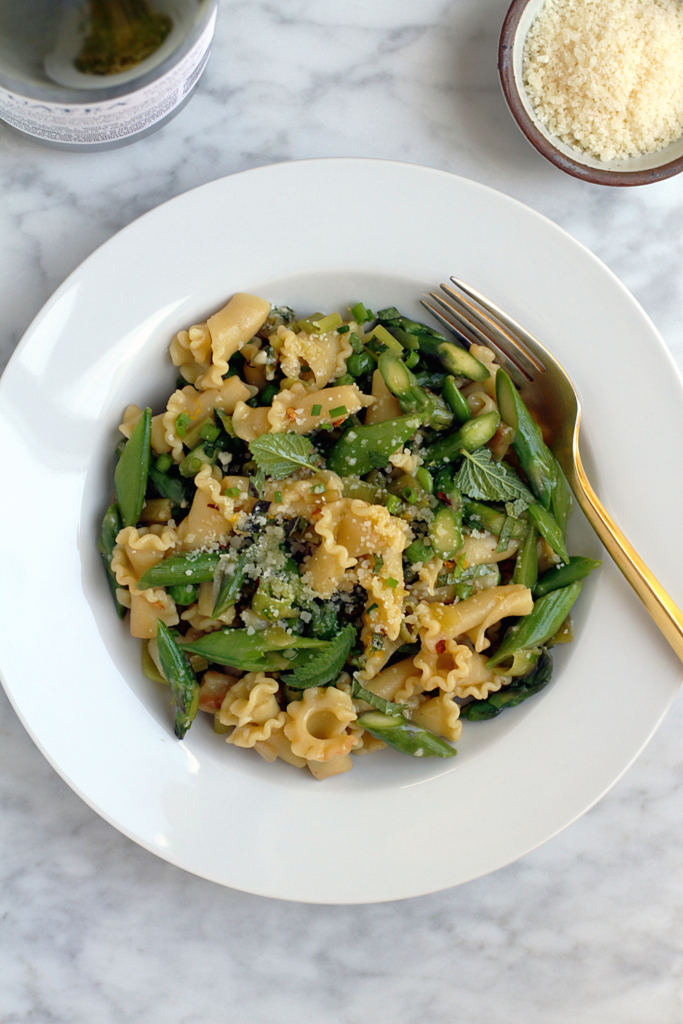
324 665
480 477
278 455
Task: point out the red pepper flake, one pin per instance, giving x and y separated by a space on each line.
441 647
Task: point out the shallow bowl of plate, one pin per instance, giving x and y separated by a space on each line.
325 234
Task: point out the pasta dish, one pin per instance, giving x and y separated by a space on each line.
341 534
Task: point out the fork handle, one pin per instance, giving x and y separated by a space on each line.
667 616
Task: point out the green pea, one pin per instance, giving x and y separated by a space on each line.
183 593
360 363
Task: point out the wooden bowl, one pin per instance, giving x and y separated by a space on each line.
640 170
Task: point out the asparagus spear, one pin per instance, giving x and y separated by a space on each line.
536 629
402 383
560 576
537 461
181 677
180 569
512 695
526 565
471 435
111 524
549 530
404 736
413 335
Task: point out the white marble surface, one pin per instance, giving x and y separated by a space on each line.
586 929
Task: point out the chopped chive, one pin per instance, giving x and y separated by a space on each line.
372 608
164 463
316 410
278 497
393 504
344 329
210 432
413 359
341 410
360 314
379 562
232 492
317 488
390 582
318 324
410 495
182 423
326 426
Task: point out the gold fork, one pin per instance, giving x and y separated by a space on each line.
549 394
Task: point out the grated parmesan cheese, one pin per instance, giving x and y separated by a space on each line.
607 77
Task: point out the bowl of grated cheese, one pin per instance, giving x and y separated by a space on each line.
597 88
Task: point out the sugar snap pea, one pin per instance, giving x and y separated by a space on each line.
111 524
192 568
472 434
512 695
132 469
256 652
183 681
559 576
456 400
361 449
536 629
404 736
549 530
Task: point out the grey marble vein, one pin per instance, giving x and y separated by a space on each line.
586 930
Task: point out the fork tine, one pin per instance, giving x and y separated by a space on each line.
523 336
504 338
517 372
463 339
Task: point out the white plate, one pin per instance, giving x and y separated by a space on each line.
318 235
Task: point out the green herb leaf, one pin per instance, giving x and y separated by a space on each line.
278 455
480 477
325 665
386 707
